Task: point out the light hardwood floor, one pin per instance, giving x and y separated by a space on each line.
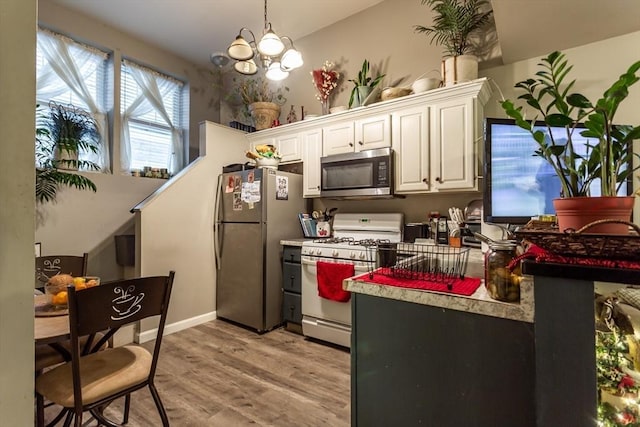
219 374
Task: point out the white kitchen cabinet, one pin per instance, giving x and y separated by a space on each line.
287 144
435 144
311 152
353 136
289 147
338 138
453 160
410 145
435 137
254 142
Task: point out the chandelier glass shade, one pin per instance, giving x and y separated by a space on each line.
268 51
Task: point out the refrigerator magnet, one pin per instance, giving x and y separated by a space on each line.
237 201
237 182
250 177
282 187
230 184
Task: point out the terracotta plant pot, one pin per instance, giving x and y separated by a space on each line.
576 212
264 114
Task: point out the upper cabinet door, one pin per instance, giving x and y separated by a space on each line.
311 152
254 142
373 132
338 138
290 147
453 164
411 150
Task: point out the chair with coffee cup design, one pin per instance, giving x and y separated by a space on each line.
93 379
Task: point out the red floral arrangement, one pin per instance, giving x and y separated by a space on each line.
325 80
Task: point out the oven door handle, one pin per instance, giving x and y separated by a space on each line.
312 263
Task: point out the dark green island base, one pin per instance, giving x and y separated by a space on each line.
414 363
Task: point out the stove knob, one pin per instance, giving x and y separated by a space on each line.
352 255
362 255
318 251
334 253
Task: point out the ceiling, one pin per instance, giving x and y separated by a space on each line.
525 28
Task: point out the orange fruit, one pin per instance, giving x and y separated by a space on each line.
78 281
91 283
81 286
60 298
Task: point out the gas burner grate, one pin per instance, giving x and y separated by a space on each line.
333 240
370 242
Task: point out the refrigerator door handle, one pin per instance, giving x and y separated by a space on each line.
216 222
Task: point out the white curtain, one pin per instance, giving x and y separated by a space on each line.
64 71
153 90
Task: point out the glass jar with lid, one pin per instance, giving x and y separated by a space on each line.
501 282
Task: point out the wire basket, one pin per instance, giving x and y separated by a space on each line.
440 264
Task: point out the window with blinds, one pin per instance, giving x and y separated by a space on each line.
151 138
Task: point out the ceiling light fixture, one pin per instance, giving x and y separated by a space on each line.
268 51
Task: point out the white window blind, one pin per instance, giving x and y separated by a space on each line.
152 119
73 73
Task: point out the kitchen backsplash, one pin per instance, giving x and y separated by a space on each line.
415 208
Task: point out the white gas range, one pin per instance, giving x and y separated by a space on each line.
354 239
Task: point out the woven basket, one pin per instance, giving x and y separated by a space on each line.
581 243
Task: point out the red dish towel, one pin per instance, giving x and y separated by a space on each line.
330 277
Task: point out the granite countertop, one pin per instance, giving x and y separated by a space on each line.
292 242
479 302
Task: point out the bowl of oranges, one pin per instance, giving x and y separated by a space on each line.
56 288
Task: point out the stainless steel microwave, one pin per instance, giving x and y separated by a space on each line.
368 173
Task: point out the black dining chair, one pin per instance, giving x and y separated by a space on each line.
93 379
50 265
47 267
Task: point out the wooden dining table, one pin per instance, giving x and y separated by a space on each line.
49 329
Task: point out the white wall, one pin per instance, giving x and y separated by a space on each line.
203 95
595 67
82 221
175 230
17 97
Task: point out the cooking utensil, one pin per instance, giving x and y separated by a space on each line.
456 215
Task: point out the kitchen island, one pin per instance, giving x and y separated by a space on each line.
446 360
425 358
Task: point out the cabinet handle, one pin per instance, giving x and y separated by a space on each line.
425 180
360 142
351 144
292 279
439 180
318 187
291 255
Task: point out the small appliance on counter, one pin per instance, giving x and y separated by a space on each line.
442 231
473 221
415 230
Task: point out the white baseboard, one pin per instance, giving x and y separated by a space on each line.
149 335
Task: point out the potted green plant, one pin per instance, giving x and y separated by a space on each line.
454 24
261 100
607 160
60 136
363 85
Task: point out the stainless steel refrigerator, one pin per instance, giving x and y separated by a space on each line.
255 209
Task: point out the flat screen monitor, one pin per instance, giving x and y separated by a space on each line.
518 184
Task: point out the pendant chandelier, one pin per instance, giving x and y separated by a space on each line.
268 52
